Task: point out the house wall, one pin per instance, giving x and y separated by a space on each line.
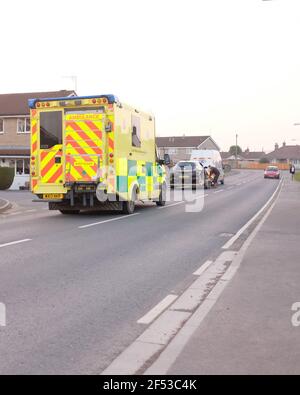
208 144
184 153
10 137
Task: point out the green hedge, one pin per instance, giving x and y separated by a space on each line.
7 175
297 176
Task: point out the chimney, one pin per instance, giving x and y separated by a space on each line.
284 144
276 146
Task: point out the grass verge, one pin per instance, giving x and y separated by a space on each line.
297 176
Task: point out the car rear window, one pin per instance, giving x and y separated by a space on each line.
186 165
272 168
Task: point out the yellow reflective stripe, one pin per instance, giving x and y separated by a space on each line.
50 173
47 159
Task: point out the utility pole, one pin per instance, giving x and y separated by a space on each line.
236 150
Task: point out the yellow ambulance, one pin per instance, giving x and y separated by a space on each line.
92 153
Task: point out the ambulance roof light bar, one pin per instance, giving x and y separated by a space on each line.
110 98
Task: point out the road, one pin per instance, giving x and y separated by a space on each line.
73 294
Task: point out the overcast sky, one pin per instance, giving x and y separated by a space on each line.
216 67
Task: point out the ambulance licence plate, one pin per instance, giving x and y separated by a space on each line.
53 196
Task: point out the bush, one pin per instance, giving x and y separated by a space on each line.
264 160
7 175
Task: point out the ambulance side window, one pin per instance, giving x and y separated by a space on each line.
136 131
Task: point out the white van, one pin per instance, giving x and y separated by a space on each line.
209 157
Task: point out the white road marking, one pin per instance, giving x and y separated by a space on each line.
183 201
107 220
202 268
14 242
220 190
243 228
171 205
15 213
157 310
31 211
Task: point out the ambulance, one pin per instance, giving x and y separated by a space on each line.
93 153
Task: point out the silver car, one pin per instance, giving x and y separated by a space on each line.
187 174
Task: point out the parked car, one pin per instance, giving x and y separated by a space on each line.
187 173
272 172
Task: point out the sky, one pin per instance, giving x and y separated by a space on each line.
202 67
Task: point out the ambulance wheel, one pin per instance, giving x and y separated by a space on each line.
162 196
128 206
69 211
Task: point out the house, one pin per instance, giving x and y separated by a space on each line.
180 147
289 154
15 131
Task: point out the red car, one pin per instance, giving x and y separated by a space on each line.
272 172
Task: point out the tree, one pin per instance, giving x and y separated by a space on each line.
232 150
264 159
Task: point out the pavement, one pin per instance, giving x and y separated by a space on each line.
249 330
76 287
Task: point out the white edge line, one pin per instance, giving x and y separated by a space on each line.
14 242
237 235
202 268
157 310
107 220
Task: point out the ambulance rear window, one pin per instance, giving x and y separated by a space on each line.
50 129
136 131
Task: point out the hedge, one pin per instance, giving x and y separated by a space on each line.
7 175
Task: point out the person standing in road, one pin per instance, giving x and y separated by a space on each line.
214 174
292 170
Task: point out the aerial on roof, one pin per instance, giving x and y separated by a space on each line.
17 103
180 141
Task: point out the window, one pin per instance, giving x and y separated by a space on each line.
171 151
50 129
19 167
26 166
22 166
23 125
1 125
136 131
